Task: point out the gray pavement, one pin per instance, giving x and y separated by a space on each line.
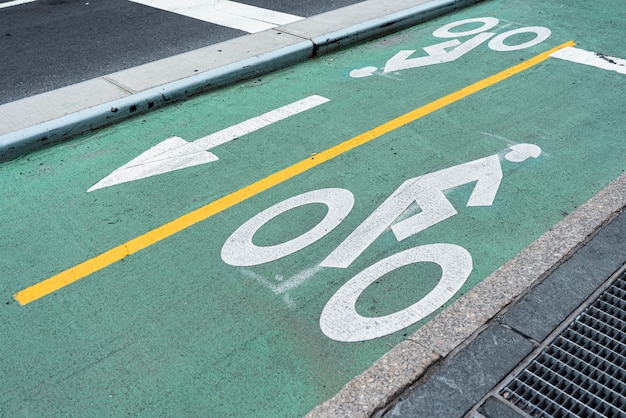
462 354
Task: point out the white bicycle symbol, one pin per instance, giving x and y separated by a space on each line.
441 52
339 319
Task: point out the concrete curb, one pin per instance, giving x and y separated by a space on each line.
52 117
56 130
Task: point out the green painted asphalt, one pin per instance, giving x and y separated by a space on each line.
174 330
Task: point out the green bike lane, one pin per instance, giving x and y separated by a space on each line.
223 318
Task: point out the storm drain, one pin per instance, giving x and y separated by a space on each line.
582 372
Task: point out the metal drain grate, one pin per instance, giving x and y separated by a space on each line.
582 373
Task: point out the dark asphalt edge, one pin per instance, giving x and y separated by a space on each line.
15 144
372 392
493 405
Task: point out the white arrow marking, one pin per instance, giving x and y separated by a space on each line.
593 59
175 153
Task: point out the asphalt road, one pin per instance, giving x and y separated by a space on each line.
48 44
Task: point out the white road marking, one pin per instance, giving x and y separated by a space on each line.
240 250
175 153
428 191
340 320
14 3
437 54
454 49
227 13
590 58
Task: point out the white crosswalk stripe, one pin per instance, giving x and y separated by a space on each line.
228 13
14 3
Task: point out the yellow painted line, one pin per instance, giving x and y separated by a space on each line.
107 258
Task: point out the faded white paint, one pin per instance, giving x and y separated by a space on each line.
281 286
592 59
